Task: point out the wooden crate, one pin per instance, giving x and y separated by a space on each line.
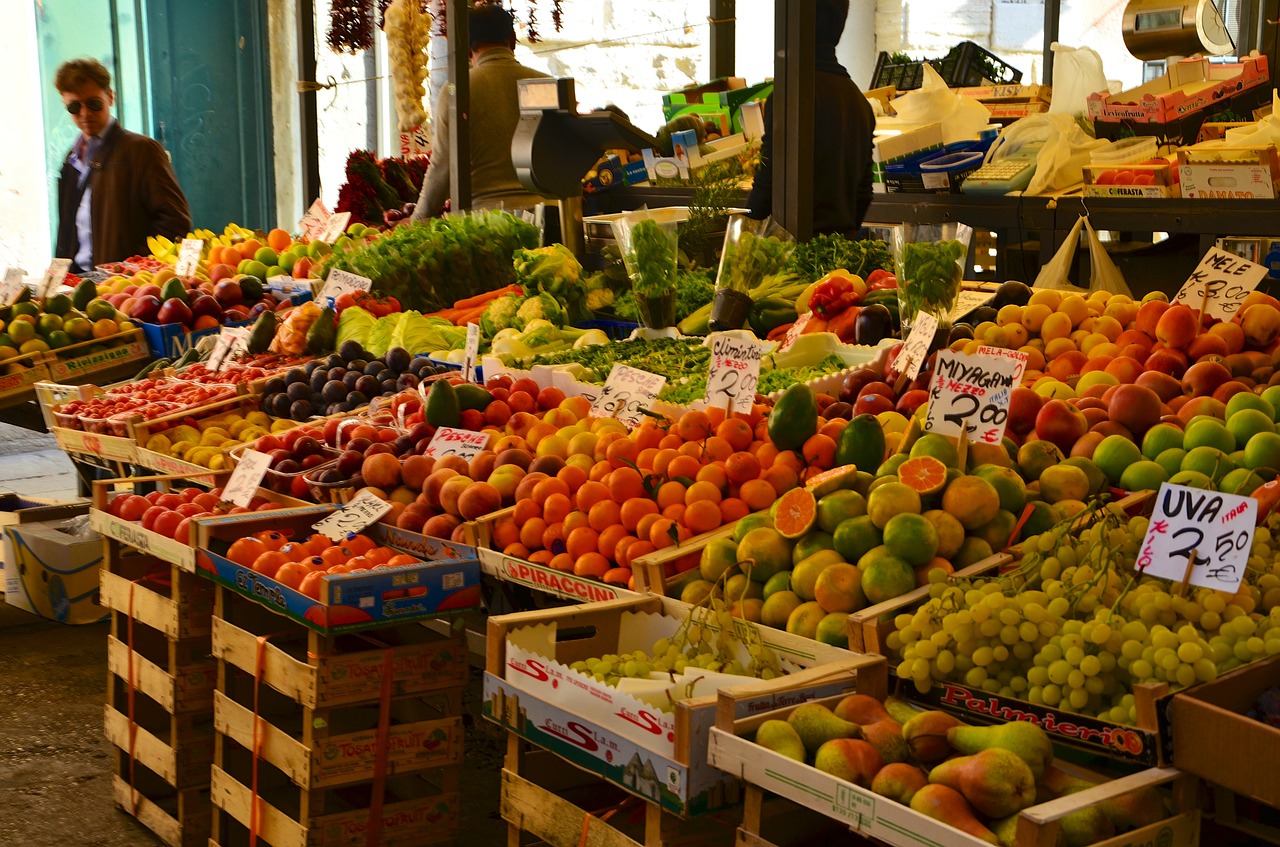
877 817
307 718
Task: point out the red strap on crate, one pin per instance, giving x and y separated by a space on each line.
373 833
1022 521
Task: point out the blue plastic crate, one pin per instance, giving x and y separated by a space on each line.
169 341
616 330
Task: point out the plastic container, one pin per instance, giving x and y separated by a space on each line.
616 330
282 483
968 65
1126 151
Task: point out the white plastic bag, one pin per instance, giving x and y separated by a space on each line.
1264 132
933 102
1064 152
1103 273
1077 73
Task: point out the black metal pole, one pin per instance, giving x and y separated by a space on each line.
792 130
1052 15
459 106
723 37
309 125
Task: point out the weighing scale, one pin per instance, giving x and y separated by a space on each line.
554 146
1161 29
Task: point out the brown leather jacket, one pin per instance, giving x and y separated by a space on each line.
135 194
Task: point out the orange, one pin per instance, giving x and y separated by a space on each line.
789 459
312 584
603 443
703 491
925 474
402 560
625 483
683 466
636 508
671 441
622 553
767 454
505 534
645 460
295 552
694 449
674 512
556 508
758 494
715 417
318 543
590 493
663 533
638 550
718 449
516 551
359 544
741 467
795 512
693 425
702 516
732 509
269 562
819 450
337 556
617 576
272 539
610 537
715 474
546 488
737 432
670 494
592 565
551 535
525 511
244 551
278 240
291 574
582 540
605 514
562 562
541 557
531 533
646 523
622 453
379 555
600 471
782 477
662 460
572 476
574 520
647 436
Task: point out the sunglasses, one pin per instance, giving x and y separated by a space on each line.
95 104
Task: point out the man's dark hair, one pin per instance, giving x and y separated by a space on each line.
78 72
829 17
491 24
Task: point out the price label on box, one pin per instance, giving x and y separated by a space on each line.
971 392
246 478
797 329
12 286
53 277
189 256
364 509
1217 529
1017 356
734 372
916 348
313 222
231 340
626 393
472 351
343 282
335 226
457 442
1225 278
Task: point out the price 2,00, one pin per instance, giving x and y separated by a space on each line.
970 412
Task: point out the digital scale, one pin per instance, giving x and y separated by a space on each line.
1160 29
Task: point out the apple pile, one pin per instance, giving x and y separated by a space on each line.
170 513
165 298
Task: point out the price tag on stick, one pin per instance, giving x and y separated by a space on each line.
797 330
12 286
313 222
456 442
231 340
472 351
53 277
189 256
335 226
1199 536
1220 283
626 392
364 509
916 348
342 282
973 392
734 372
245 479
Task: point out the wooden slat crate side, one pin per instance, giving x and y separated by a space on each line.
185 765
188 689
189 828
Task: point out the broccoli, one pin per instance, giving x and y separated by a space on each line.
499 315
541 306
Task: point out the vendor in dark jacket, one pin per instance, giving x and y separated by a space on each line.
842 126
116 187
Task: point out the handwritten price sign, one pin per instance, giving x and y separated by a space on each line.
967 302
245 479
313 222
457 442
1227 280
797 330
335 226
365 508
472 351
1016 356
1216 528
342 282
971 392
734 372
916 349
189 256
58 270
626 392
231 340
12 286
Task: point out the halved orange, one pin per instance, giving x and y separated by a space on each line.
925 474
794 513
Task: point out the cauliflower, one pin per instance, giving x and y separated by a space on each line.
542 306
554 269
599 299
499 315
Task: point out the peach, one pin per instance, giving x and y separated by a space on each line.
452 463
1177 327
441 526
1124 368
451 493
459 534
1149 315
1134 407
1203 378
1165 386
381 470
481 465
1172 362
510 442
479 498
1086 444
506 481
414 470
512 456
413 517
1201 406
524 489
435 482
1261 324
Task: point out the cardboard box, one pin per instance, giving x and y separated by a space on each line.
54 573
1163 184
1190 85
1218 173
720 97
659 754
1214 738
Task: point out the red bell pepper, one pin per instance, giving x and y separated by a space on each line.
879 280
835 292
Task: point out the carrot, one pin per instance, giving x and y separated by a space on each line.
466 316
487 297
778 332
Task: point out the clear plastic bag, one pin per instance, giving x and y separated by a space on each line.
930 262
753 250
649 248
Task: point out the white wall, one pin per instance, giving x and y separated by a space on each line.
24 202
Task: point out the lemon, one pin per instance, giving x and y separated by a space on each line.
212 439
258 418
238 428
183 433
283 424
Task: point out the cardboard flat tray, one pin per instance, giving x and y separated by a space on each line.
547 580
75 362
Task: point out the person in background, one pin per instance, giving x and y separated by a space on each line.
116 187
843 123
494 114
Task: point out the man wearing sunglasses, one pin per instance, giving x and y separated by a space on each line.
116 187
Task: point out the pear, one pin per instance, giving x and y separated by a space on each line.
861 709
899 781
947 805
926 735
849 759
779 737
816 725
1086 826
1054 783
900 710
1029 741
996 782
1135 809
1006 830
886 736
